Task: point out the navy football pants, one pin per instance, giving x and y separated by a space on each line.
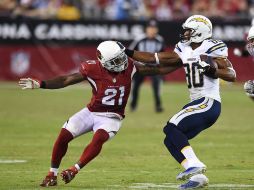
195 117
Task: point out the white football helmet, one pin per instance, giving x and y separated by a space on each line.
112 56
250 41
200 29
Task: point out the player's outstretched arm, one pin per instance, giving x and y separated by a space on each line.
58 82
163 58
223 70
151 69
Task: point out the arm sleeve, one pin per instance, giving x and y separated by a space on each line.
133 68
83 69
222 52
178 49
218 49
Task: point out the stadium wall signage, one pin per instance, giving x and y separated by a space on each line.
92 32
36 48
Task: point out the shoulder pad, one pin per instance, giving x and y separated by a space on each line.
179 47
213 45
215 48
89 67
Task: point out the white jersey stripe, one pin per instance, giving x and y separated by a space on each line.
134 70
193 109
92 82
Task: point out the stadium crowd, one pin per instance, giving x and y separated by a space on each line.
124 9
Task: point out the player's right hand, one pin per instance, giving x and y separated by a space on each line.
207 69
29 83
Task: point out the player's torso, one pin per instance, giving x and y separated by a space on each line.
200 85
110 90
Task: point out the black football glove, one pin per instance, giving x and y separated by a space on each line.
207 69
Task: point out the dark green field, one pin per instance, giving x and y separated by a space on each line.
136 158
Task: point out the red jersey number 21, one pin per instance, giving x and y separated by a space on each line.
110 96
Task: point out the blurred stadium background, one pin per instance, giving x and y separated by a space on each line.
35 35
46 38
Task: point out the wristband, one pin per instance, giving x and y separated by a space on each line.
157 58
129 52
43 84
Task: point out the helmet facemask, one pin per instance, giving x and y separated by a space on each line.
187 34
117 64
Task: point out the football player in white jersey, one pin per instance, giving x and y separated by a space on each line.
249 85
248 51
205 61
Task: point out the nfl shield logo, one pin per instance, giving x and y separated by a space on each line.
20 63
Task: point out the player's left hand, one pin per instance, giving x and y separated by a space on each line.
206 68
29 83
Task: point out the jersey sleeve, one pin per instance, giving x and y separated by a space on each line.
133 69
83 69
178 49
222 52
218 49
89 68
